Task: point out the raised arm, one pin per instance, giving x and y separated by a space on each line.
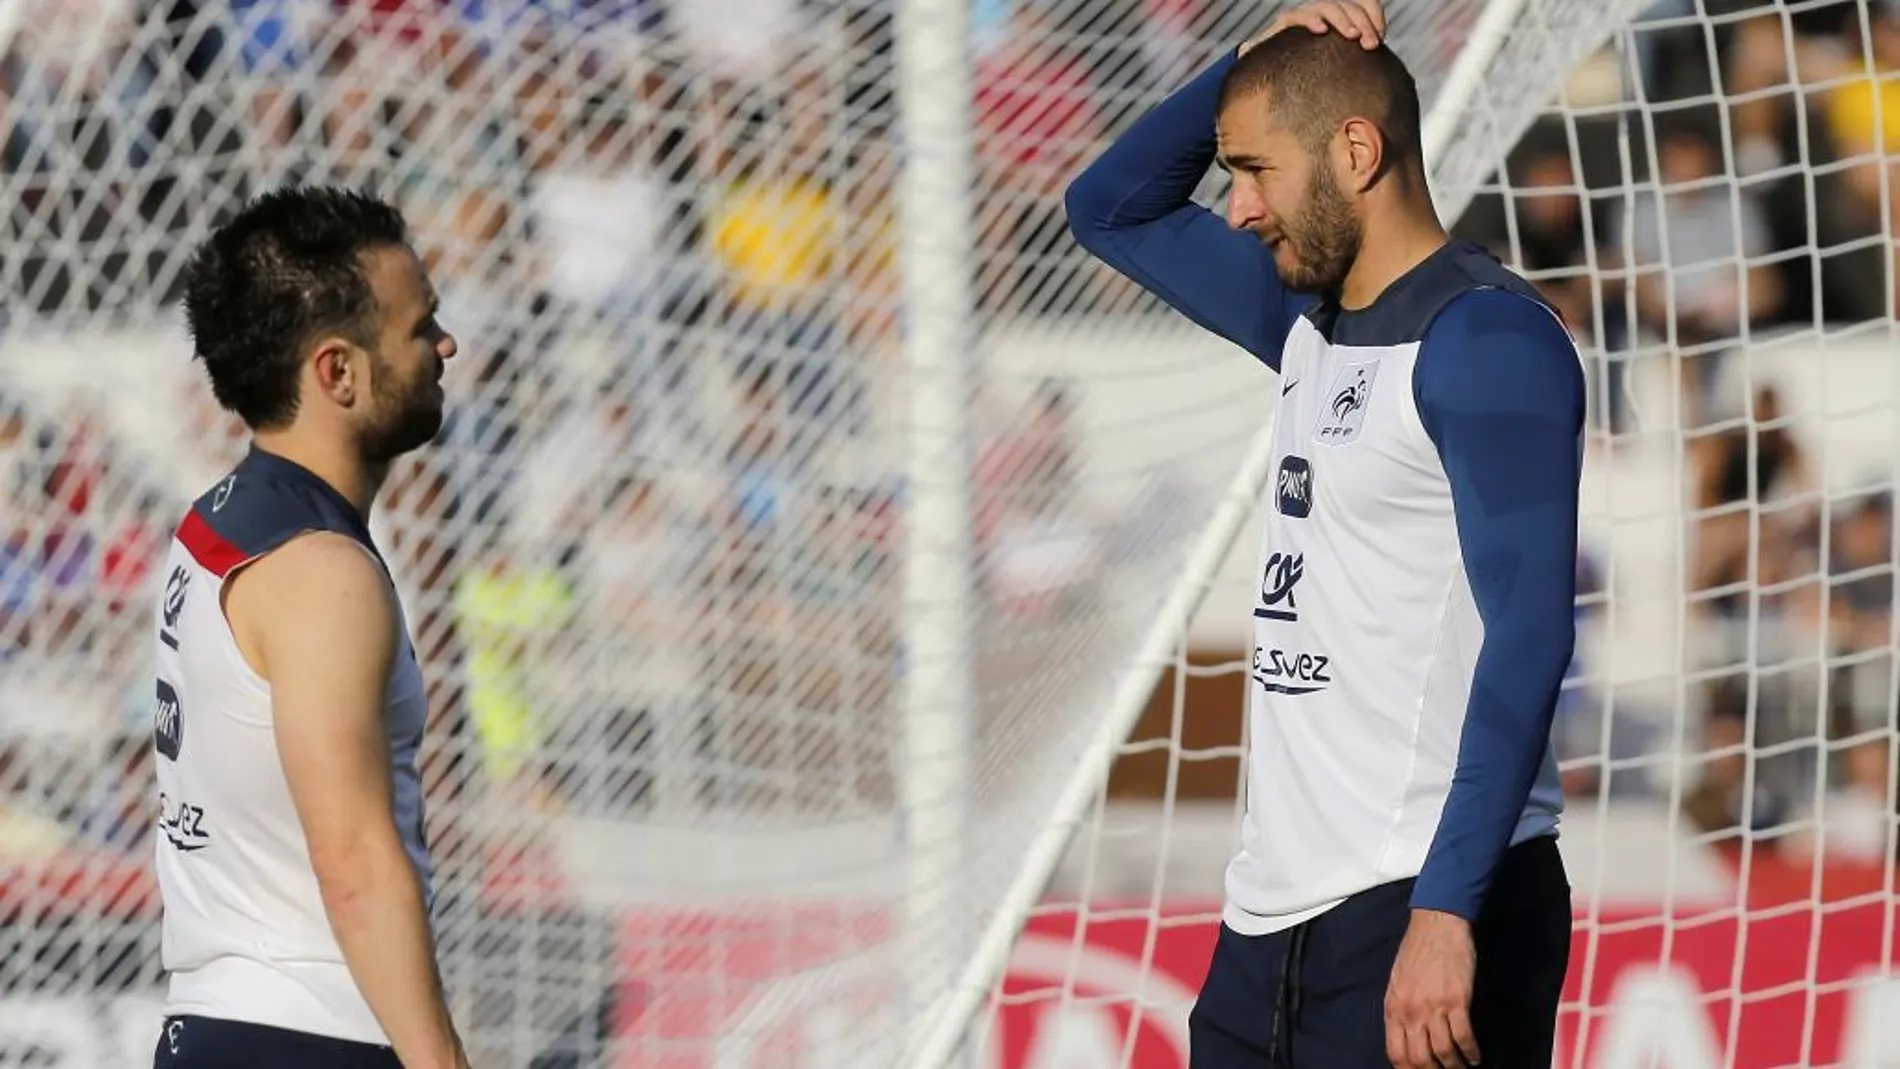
1500 391
317 616
1131 209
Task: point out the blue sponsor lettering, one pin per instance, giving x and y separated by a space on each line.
1286 672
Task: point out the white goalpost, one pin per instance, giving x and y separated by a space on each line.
828 578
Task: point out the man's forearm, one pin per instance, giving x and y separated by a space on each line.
1133 208
1152 169
376 909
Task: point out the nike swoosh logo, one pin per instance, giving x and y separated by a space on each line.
1288 386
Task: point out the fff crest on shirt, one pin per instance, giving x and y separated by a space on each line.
1343 408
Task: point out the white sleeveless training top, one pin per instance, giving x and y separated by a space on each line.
245 936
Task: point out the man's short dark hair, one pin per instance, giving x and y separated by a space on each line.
287 269
1315 82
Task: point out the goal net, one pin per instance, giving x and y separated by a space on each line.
827 579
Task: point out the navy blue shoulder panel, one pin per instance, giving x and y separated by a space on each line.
265 502
1406 309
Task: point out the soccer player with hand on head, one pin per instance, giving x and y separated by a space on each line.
1398 897
292 865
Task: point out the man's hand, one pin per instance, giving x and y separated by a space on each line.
1359 20
1428 1003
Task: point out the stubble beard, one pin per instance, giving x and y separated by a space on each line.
1325 237
408 416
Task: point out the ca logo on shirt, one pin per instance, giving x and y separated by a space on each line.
1343 409
1277 579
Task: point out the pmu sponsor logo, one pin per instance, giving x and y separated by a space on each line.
182 823
168 722
1294 487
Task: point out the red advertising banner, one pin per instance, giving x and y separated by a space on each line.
1796 972
1800 988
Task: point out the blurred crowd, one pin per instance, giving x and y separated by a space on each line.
664 232
652 537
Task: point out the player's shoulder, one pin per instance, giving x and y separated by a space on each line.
345 610
1472 289
260 506
1460 283
1480 308
316 568
1494 343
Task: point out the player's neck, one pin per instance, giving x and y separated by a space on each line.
334 461
1395 242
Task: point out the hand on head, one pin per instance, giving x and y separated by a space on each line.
1359 20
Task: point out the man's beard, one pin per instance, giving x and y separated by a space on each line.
1324 237
408 415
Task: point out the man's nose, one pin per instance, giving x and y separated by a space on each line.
1243 208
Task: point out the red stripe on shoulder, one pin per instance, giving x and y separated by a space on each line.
211 550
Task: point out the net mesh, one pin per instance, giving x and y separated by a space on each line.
656 565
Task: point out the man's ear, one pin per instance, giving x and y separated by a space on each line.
1361 152
333 366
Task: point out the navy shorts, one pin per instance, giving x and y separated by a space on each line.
187 1042
1313 996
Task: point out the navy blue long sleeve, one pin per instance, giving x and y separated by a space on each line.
1500 391
1132 209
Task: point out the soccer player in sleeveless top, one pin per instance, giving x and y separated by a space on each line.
1398 897
291 860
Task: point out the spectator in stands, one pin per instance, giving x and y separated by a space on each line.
1037 123
614 217
1860 610
761 460
77 111
780 232
1758 468
641 569
19 574
1721 800
1685 238
511 605
115 816
1035 550
69 541
1551 244
268 38
1553 241
1863 121
1169 44
468 238
603 440
26 835
871 277
1763 692
385 78
736 39
1785 154
134 545
18 450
